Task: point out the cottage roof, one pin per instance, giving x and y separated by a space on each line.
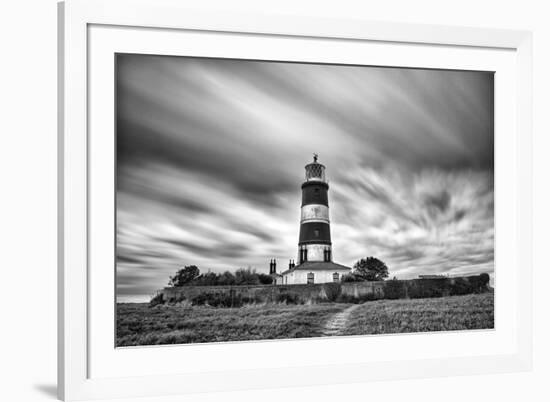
318 266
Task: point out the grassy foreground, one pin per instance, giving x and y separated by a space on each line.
421 315
139 324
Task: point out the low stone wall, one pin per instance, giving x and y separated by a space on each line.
267 293
348 291
363 289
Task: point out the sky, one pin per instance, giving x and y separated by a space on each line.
211 156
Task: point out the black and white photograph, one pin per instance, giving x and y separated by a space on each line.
260 200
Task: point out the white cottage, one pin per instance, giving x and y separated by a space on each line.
311 272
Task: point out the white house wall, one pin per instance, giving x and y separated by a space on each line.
300 277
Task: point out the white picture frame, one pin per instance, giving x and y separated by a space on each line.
77 320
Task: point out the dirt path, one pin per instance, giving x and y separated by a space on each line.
337 323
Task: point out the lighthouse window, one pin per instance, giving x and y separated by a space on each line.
317 192
326 254
316 232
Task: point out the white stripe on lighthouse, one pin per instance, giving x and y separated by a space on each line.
314 213
316 252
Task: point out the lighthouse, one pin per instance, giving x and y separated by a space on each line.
315 258
314 240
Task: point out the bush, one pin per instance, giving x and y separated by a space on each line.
288 298
217 300
332 290
461 286
246 277
484 278
242 276
224 299
207 279
350 278
227 278
479 283
157 299
265 279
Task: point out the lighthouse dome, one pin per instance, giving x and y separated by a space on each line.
315 170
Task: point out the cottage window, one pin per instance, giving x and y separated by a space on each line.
310 278
336 277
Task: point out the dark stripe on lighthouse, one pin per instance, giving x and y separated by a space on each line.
315 193
314 233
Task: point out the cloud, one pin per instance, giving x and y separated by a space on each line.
428 221
210 156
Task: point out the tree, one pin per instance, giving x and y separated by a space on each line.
184 276
226 278
370 269
265 279
484 278
207 279
246 277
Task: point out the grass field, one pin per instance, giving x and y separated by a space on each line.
139 324
421 315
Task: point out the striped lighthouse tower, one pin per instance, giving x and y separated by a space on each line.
315 263
314 244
